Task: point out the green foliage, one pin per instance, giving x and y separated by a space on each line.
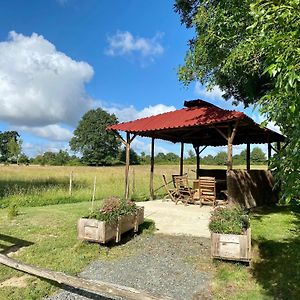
10 145
97 145
229 220
258 157
12 211
250 49
133 157
14 147
112 208
221 158
61 158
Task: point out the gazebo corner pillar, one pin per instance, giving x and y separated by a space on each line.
197 161
181 159
126 143
230 138
248 162
152 170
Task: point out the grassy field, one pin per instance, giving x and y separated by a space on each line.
50 235
49 232
42 185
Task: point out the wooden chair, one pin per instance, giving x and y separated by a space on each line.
207 191
184 192
171 192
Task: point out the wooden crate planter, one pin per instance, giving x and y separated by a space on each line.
102 232
231 246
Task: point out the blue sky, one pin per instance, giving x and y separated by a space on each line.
60 58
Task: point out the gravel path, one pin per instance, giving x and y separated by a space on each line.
162 265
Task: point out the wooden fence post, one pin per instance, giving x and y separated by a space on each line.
94 191
70 184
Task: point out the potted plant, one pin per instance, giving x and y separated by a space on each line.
114 217
230 234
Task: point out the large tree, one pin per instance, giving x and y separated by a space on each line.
96 145
8 138
251 50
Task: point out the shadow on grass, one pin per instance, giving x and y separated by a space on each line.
278 269
9 244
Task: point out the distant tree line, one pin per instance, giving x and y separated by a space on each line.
98 147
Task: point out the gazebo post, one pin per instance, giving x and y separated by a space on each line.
248 157
269 153
152 170
198 161
127 151
278 146
181 159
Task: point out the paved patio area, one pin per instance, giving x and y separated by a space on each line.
178 219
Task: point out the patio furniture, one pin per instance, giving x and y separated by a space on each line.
184 192
171 192
207 190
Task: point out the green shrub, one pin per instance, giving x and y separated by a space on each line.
230 220
12 211
112 208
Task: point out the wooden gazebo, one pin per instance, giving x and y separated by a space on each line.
201 124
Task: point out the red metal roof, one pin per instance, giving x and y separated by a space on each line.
197 113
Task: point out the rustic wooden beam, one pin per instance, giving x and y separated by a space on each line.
248 162
127 152
120 137
231 135
181 158
278 146
152 170
197 161
221 133
99 287
269 153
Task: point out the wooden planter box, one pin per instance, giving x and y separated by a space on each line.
231 246
102 232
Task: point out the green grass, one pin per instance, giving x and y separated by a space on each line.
50 235
275 270
45 185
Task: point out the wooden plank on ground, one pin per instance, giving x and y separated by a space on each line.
102 288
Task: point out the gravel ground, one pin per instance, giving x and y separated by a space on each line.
162 266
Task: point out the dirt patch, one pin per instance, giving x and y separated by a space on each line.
18 282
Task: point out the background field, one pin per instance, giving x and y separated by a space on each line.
44 185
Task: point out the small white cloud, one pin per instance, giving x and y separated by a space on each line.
50 132
124 43
214 94
143 145
39 85
131 113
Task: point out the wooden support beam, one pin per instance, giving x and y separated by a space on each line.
278 146
120 137
127 151
231 135
248 159
269 153
99 287
197 160
221 133
181 159
152 171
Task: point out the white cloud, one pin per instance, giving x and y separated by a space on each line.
39 85
143 145
124 43
50 132
214 94
131 113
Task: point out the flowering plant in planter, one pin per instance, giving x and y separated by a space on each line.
112 208
230 234
229 220
114 217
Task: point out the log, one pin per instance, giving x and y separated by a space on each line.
100 287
